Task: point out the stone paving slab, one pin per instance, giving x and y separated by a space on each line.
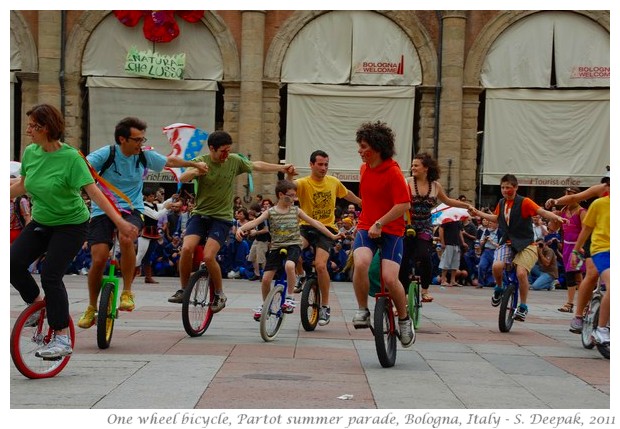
460 360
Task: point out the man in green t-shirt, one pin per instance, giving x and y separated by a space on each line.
212 216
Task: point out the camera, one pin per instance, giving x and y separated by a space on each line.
541 245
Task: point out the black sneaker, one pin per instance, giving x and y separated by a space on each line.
324 315
301 280
177 298
497 296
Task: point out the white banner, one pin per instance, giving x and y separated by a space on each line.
326 117
156 102
356 47
522 55
546 137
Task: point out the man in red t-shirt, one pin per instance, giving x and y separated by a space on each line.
517 245
385 199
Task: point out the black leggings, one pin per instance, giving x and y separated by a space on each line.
61 243
416 253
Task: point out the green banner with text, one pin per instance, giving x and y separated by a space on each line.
154 65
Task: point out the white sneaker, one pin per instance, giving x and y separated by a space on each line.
601 335
361 319
56 348
407 334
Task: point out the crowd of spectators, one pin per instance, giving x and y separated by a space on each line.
245 259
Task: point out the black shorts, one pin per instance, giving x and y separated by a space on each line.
101 228
274 261
208 227
316 238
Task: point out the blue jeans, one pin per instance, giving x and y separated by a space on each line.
543 282
485 273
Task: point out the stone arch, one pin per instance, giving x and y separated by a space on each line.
406 20
27 47
76 42
488 35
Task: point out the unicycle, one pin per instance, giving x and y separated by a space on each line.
28 338
310 303
590 319
196 309
414 303
509 300
107 312
273 310
384 327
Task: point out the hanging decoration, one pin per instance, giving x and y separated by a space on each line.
160 26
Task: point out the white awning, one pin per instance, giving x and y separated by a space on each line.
546 137
522 55
356 47
154 101
107 48
326 117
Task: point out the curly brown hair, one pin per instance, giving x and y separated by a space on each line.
379 137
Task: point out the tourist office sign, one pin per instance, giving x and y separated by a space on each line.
155 65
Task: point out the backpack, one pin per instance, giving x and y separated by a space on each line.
108 162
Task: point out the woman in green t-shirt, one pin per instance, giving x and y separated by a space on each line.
53 174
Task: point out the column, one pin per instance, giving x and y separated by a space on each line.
49 56
450 119
251 89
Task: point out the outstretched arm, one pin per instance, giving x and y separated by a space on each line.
175 161
318 225
488 216
591 192
551 216
441 195
266 167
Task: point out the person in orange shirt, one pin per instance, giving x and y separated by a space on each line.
517 246
385 200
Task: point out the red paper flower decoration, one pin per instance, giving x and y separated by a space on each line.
159 25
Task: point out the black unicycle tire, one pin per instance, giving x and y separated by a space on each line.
105 318
310 304
196 311
507 309
385 332
272 315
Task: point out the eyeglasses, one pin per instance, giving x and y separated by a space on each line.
35 127
291 195
138 139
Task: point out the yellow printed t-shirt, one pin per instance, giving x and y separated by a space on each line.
318 199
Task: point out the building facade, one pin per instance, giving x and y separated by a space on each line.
485 92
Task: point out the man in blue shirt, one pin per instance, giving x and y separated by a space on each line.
125 172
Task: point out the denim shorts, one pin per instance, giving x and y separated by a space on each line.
208 227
